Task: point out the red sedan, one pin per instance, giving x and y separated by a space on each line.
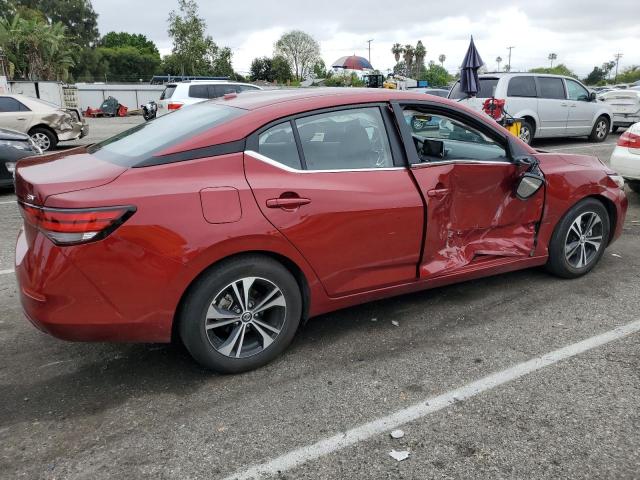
228 223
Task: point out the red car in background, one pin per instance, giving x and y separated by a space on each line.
230 222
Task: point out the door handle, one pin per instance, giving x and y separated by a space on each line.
21 118
563 104
437 193
292 202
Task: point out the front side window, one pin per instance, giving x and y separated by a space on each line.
575 91
522 87
345 140
439 138
551 88
279 144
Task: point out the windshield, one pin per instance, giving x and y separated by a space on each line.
132 147
487 89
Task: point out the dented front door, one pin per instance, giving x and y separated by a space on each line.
474 215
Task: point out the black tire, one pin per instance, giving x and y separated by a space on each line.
527 132
36 134
600 130
201 295
558 263
615 129
634 185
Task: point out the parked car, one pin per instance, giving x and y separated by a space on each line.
46 123
229 223
438 92
625 105
550 105
625 158
177 95
13 147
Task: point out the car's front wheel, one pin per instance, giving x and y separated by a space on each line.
579 240
240 314
43 138
527 132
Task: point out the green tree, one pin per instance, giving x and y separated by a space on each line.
596 76
408 55
35 49
195 52
630 74
262 69
419 53
560 69
397 51
436 75
300 49
320 69
124 39
281 69
78 16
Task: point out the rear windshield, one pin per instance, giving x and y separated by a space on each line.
487 89
133 147
167 92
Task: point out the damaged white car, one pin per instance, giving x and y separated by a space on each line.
45 122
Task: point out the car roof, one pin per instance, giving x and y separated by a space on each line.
265 106
520 74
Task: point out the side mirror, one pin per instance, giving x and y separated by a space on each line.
528 185
593 96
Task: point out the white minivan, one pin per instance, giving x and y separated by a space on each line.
177 95
550 105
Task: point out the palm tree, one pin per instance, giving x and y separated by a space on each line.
397 50
409 53
552 57
420 52
498 61
441 59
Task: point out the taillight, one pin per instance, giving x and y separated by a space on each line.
174 105
629 140
71 226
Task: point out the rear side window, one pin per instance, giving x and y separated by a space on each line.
522 87
167 92
8 104
279 144
487 89
345 140
551 88
198 91
222 89
135 146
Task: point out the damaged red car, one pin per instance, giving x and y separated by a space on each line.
228 223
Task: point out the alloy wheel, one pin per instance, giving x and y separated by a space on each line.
42 141
601 129
245 317
584 240
525 134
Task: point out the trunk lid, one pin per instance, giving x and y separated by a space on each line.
38 178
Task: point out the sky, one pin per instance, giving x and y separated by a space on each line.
583 33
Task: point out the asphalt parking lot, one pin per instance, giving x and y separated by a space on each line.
97 411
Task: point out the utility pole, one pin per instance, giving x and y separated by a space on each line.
617 56
510 48
369 42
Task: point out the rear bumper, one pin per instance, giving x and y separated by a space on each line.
626 163
625 120
59 299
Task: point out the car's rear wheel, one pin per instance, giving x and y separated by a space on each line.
579 240
527 132
241 314
600 130
615 129
43 138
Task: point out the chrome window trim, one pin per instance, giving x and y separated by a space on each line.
462 161
275 163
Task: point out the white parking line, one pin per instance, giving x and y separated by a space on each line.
342 440
7 203
6 272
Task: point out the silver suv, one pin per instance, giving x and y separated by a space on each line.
551 105
177 95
